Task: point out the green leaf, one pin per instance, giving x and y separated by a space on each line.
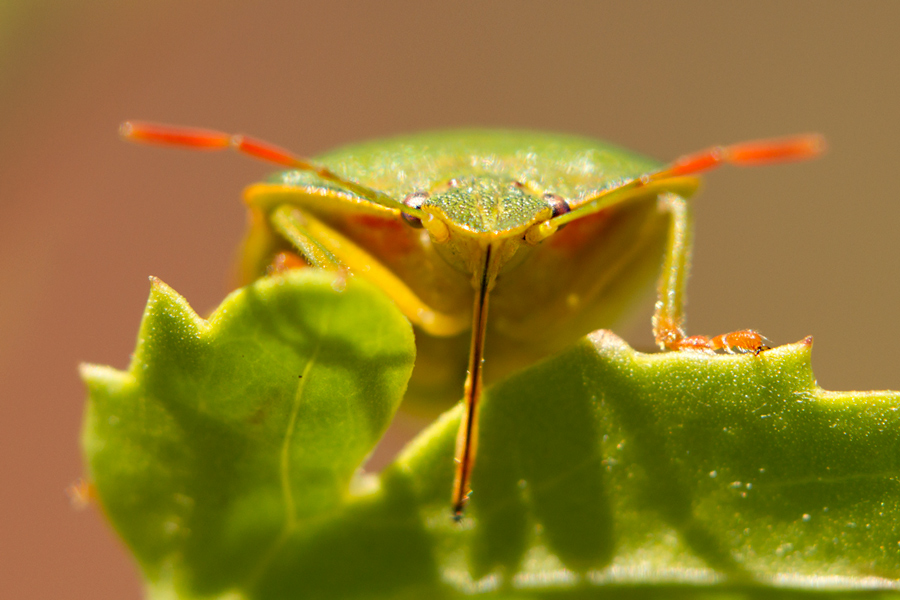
228 437
602 472
690 467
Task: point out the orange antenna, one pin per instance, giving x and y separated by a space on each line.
755 153
209 139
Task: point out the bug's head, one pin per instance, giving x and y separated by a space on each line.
467 212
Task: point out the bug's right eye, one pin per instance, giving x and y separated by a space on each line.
415 200
558 204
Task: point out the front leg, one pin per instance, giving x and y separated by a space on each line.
668 319
322 246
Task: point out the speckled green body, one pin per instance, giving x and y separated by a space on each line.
566 165
489 186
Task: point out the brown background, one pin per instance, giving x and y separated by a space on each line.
84 218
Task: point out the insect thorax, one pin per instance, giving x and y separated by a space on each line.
484 209
488 205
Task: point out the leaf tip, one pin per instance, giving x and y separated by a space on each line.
85 370
94 375
157 285
166 304
802 348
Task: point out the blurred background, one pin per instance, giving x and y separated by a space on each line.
84 219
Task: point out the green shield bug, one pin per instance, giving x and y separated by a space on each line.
432 217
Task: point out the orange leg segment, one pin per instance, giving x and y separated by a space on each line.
742 342
285 261
668 320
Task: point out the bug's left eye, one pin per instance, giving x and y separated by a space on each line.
415 200
557 203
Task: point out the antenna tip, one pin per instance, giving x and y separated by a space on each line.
126 130
817 143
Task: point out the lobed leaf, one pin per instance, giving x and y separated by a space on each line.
602 472
228 438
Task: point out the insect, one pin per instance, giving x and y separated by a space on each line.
556 233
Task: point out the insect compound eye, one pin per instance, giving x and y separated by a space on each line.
415 200
557 203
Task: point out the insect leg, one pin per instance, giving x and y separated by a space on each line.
668 319
291 223
324 247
